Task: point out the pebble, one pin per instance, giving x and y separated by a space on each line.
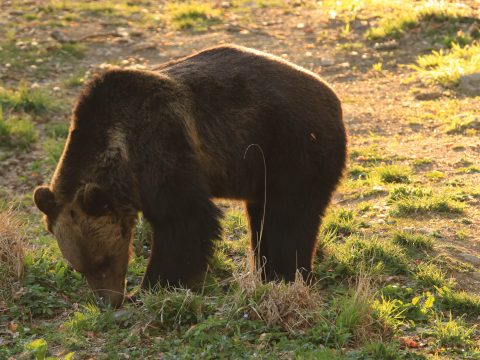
470 84
327 62
474 260
428 96
387 45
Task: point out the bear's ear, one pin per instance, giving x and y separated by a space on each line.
45 200
94 200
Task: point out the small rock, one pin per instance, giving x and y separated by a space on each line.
16 13
144 46
56 88
60 37
225 4
387 45
474 260
470 84
122 315
300 26
428 96
327 62
136 33
122 40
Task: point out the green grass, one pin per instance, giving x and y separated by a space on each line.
439 204
469 125
193 15
452 332
341 222
413 241
445 67
459 302
408 201
53 149
393 174
392 27
402 19
36 101
430 275
17 131
234 224
357 254
375 285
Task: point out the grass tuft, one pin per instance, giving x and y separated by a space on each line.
446 67
459 301
453 332
35 101
368 254
17 131
193 15
11 253
394 174
291 307
413 241
430 275
341 222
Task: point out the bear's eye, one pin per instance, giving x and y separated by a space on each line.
72 214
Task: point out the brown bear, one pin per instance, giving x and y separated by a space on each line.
227 122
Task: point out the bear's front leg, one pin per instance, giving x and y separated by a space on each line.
182 243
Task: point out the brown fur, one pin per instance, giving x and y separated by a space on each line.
166 143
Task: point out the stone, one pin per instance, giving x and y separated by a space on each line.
387 45
472 259
428 95
470 84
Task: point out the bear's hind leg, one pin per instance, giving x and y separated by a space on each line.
290 235
257 245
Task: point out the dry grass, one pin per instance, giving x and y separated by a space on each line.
291 306
11 253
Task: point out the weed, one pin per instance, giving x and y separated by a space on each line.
399 21
90 318
378 68
459 301
17 131
413 241
463 125
36 100
368 254
389 312
446 67
193 15
469 170
436 175
404 192
453 332
357 172
411 201
12 244
53 149
394 174
45 278
234 225
429 275
340 222
392 27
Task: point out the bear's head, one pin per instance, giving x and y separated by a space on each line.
94 239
